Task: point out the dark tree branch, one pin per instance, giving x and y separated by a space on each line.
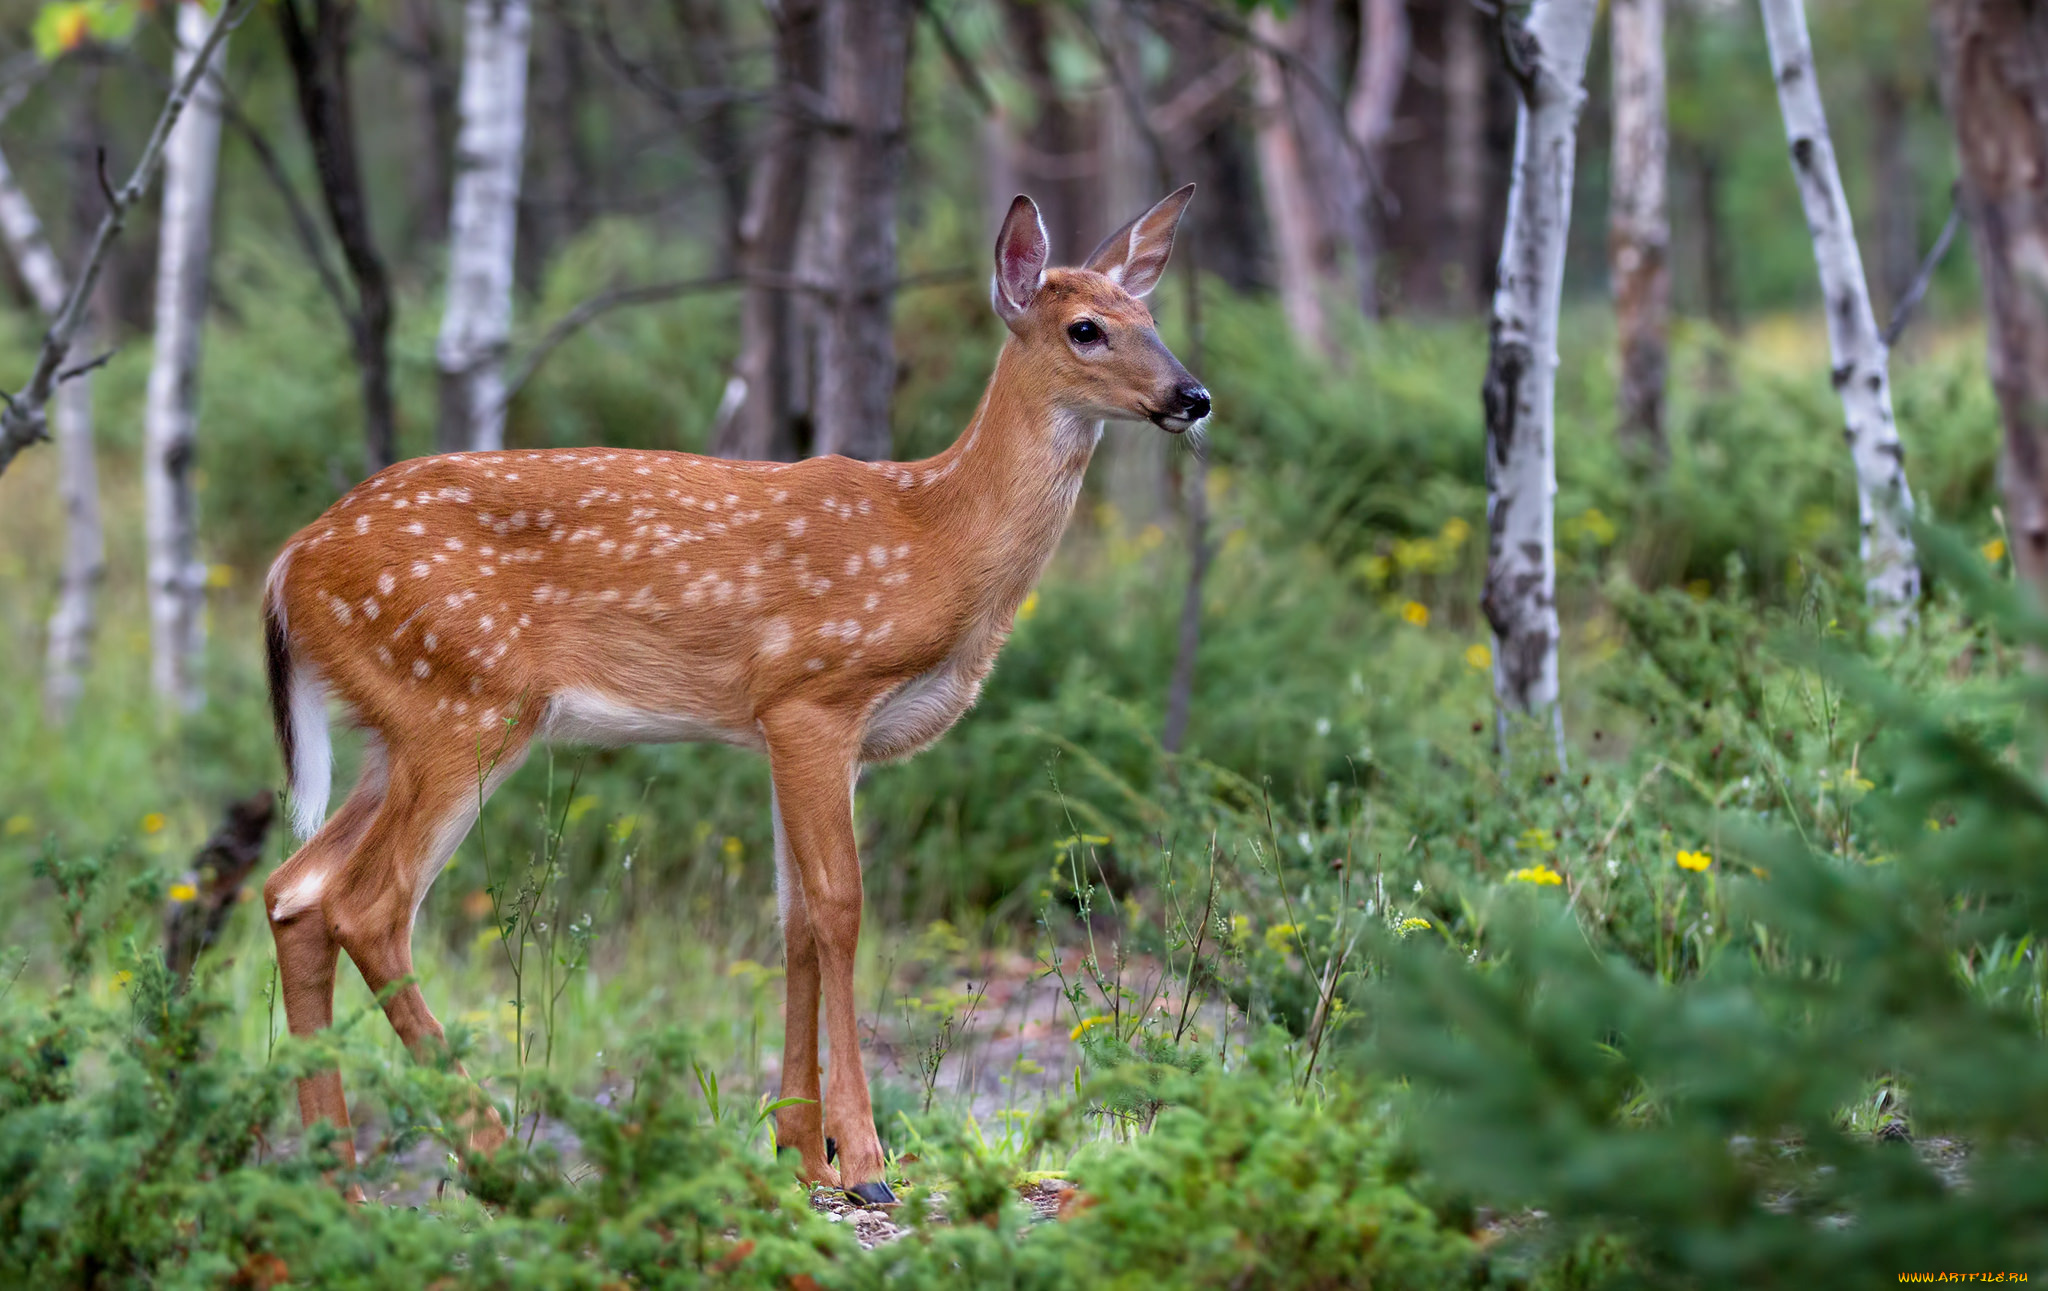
1902 314
219 871
964 69
23 422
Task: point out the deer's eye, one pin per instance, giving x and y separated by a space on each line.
1084 332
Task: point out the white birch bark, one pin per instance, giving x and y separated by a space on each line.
73 619
1862 376
177 576
1283 183
482 224
1520 600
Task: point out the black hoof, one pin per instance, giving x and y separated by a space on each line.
876 1193
831 1151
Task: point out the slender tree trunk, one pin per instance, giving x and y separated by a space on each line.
867 55
557 187
72 621
483 225
1897 196
177 576
1520 598
762 425
1369 116
319 60
1461 239
1884 503
1283 179
1639 232
1994 73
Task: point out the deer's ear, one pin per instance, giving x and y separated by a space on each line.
1021 251
1134 257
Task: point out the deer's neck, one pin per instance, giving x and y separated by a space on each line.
1002 494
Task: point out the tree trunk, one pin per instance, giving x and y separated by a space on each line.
1134 472
319 60
1884 503
762 426
1369 116
1639 232
1521 370
1993 56
177 576
867 53
1460 243
72 621
1283 179
1897 195
483 224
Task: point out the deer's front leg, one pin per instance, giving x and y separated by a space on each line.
813 754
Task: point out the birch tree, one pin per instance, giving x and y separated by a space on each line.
1991 74
1639 231
1547 57
482 224
860 167
1861 373
72 620
177 576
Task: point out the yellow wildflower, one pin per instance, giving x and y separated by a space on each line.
183 892
1415 612
1087 1025
153 823
1479 656
19 825
122 979
1994 551
1280 936
1413 923
1699 589
580 808
1456 530
1694 861
1028 608
218 576
732 847
1541 876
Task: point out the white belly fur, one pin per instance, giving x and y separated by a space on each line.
587 717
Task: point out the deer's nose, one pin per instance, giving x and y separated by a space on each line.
1193 400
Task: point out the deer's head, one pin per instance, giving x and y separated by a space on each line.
1086 331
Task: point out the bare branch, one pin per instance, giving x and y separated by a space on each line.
963 66
88 366
23 422
1902 313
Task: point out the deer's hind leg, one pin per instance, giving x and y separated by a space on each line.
434 799
306 949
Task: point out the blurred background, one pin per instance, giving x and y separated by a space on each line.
703 189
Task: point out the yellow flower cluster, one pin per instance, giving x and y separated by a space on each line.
1414 923
1694 861
1087 1025
1541 876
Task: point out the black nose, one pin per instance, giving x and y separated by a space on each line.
1194 401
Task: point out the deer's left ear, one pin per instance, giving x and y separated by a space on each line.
1134 257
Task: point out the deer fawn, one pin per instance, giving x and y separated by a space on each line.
827 612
